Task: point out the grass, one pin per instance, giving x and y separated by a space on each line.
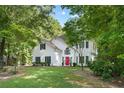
51 77
37 77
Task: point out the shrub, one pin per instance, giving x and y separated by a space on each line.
40 64
89 63
108 69
118 69
122 74
101 68
97 67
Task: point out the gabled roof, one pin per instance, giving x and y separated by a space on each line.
52 44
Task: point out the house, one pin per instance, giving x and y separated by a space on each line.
57 52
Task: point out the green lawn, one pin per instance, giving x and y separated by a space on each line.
43 77
51 77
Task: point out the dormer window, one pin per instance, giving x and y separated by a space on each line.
42 46
67 51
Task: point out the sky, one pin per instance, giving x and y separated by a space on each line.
61 15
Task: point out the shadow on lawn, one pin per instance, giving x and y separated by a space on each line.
44 77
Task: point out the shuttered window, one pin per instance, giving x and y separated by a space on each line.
37 59
42 46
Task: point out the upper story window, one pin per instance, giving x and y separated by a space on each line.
81 45
67 51
87 44
42 46
76 46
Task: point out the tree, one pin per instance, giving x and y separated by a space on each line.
104 25
97 22
74 37
23 27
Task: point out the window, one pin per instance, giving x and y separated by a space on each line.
48 59
81 59
87 44
67 51
37 59
94 46
76 59
87 59
81 45
62 61
71 60
76 46
42 46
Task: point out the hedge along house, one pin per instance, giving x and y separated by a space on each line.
57 53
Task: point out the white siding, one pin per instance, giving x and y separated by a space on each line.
56 54
49 51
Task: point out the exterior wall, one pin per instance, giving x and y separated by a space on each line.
90 51
58 55
49 51
71 55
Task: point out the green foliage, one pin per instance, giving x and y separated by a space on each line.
104 25
97 67
103 69
25 26
108 69
71 32
118 68
121 56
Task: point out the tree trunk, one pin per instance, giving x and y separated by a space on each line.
81 61
8 54
2 45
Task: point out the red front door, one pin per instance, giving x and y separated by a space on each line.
67 60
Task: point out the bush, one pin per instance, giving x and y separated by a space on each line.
108 69
41 64
122 74
118 69
74 64
89 63
101 68
97 67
